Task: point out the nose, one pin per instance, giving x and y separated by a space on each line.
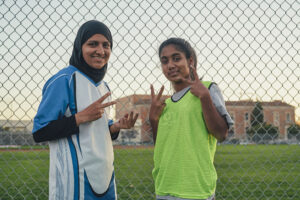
170 65
100 50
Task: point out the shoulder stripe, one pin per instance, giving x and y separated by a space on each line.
106 86
72 76
50 83
212 83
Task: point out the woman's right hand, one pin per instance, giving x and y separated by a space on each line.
93 111
156 108
157 104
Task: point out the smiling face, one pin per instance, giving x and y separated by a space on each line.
96 51
174 64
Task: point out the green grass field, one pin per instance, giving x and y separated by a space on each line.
245 172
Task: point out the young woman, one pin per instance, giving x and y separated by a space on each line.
186 127
73 117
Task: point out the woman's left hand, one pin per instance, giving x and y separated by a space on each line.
197 87
128 121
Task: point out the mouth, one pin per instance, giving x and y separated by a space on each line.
173 73
98 58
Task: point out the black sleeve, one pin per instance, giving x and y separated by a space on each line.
57 129
114 136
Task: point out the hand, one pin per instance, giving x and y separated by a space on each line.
128 121
157 104
93 111
197 87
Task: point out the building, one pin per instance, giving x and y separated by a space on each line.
16 132
278 113
139 104
24 126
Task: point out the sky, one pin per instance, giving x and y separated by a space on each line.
249 48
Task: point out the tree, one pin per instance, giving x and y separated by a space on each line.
259 130
294 131
257 115
262 132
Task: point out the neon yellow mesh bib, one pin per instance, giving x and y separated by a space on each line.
184 151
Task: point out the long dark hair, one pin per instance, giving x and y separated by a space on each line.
181 45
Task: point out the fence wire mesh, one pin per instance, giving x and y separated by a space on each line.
249 48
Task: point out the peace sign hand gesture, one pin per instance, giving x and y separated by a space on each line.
93 111
157 104
197 87
128 121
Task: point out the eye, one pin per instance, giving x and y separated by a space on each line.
176 58
106 45
164 61
93 44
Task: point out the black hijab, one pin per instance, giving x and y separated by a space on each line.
87 30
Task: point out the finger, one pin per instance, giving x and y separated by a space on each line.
130 120
104 97
125 116
124 122
163 101
191 73
160 92
131 115
188 81
163 106
194 71
121 121
135 118
108 104
101 111
152 91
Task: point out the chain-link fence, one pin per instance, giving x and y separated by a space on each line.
251 49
